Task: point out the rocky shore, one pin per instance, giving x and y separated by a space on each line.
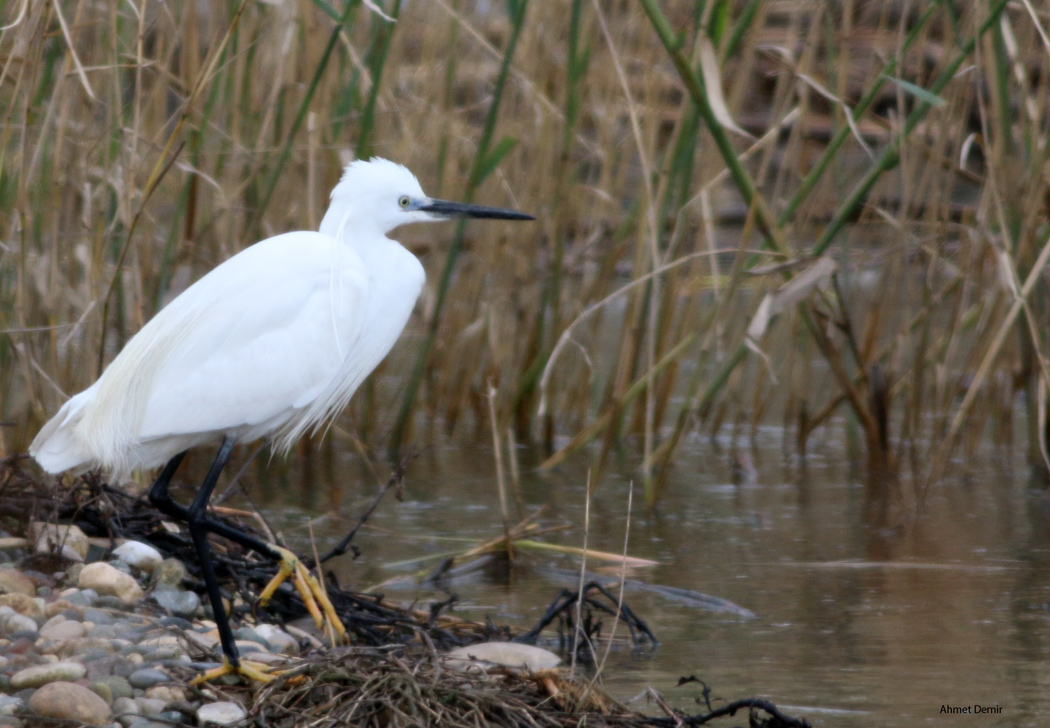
113 638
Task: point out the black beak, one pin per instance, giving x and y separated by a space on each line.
459 209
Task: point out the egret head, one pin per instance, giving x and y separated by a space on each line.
383 195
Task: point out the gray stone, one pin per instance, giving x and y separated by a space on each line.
102 690
111 602
120 566
126 710
96 553
147 678
150 706
34 677
129 631
97 616
279 641
250 635
180 661
24 634
90 654
176 622
119 686
161 652
103 632
123 668
9 704
82 598
220 713
147 723
178 602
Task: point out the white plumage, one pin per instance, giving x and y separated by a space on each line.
271 343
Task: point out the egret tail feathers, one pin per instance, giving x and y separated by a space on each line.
55 447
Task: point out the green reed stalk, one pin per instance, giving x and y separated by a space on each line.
377 62
888 160
807 184
740 28
578 62
890 157
485 161
300 116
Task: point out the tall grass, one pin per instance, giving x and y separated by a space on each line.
143 143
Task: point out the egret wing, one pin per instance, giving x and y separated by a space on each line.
258 337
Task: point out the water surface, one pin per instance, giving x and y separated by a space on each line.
855 625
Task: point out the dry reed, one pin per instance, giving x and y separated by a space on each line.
145 142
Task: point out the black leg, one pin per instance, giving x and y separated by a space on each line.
198 527
163 502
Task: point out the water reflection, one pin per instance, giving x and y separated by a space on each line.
856 624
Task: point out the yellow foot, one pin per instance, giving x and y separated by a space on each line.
251 670
308 588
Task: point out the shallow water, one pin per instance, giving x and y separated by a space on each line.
854 625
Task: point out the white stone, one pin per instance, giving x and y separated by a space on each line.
70 702
505 654
55 619
49 537
11 621
106 579
266 658
220 713
71 554
9 704
34 677
139 555
65 630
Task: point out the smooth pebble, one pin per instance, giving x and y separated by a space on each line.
147 678
70 701
34 677
178 602
140 555
222 713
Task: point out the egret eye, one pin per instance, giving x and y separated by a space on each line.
404 201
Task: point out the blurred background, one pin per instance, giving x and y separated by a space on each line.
787 283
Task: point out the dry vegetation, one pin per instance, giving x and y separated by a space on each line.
144 142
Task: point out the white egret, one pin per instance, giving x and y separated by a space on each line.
270 344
